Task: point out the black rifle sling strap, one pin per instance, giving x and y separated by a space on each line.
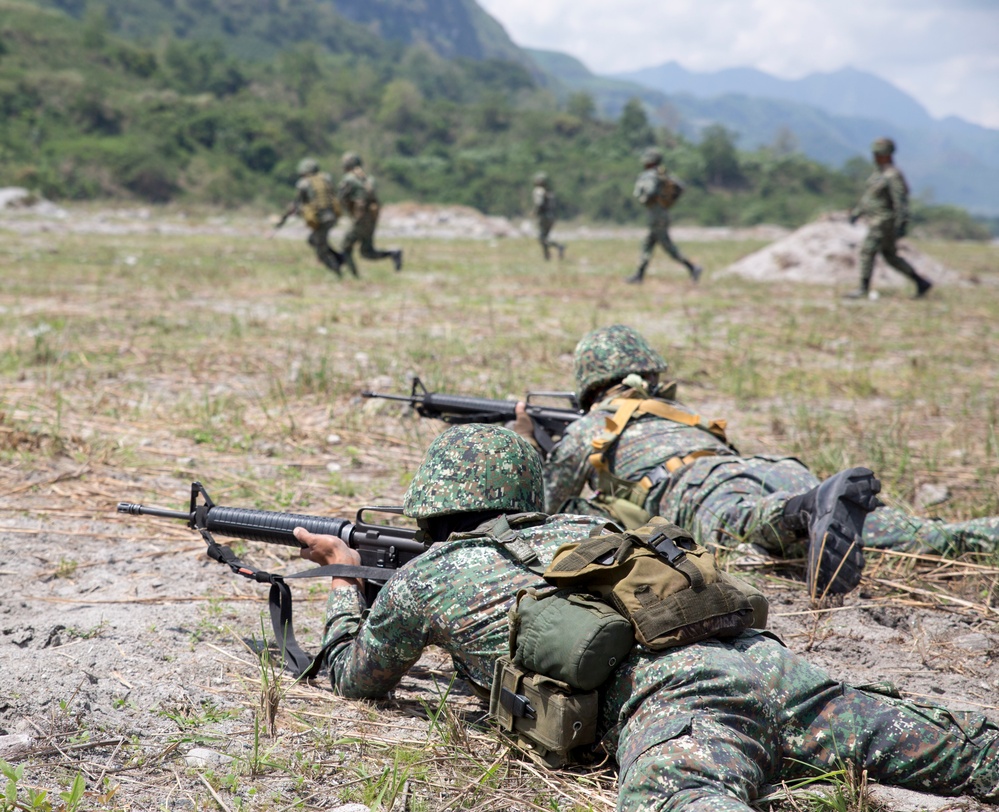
295 659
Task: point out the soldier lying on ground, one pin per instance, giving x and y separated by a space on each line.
664 460
699 726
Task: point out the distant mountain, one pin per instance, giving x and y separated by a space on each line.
833 117
846 92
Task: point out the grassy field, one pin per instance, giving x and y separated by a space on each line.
132 363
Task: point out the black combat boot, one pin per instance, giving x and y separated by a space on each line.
637 277
695 271
833 514
397 259
923 286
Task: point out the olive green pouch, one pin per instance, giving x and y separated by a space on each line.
569 636
543 715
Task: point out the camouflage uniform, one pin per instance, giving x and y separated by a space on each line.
696 727
885 206
315 200
359 199
657 190
543 208
717 495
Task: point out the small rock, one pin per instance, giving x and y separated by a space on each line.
203 757
15 744
351 808
929 494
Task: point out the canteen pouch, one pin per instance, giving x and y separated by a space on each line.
570 636
543 715
669 586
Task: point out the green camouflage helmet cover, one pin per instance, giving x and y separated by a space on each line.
652 157
351 160
541 179
609 354
308 166
883 146
475 467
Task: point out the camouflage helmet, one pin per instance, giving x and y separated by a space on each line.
652 156
883 146
308 166
541 179
607 355
475 467
351 160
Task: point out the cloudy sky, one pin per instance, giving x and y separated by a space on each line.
945 53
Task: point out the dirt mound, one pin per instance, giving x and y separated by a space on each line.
826 253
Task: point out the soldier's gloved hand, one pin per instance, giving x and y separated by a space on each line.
323 549
523 425
853 218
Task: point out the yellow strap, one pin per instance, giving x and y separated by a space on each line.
674 464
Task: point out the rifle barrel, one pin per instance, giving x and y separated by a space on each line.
142 510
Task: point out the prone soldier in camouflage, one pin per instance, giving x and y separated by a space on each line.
657 190
885 206
358 197
696 479
543 209
315 200
701 726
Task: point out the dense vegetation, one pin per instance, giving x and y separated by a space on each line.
85 113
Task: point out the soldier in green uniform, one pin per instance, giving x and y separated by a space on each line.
359 199
315 201
543 209
697 727
666 460
657 190
885 206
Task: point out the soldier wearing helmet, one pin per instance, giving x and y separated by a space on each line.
478 496
358 196
661 458
885 206
543 207
658 190
680 721
315 200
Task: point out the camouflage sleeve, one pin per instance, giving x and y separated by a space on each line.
899 194
567 469
538 200
378 648
645 188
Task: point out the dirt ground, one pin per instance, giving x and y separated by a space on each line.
128 657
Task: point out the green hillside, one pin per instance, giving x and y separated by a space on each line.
158 115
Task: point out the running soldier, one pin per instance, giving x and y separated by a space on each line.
359 199
315 201
543 208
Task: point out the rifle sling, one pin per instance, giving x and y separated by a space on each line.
296 660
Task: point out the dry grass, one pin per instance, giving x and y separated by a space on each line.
132 364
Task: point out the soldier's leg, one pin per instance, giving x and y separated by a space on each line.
324 252
925 748
544 229
868 251
889 250
670 248
894 529
347 249
366 232
648 244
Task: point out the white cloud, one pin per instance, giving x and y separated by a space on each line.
945 55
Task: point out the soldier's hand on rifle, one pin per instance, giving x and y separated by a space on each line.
522 424
322 549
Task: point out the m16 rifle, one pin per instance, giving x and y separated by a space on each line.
382 548
549 422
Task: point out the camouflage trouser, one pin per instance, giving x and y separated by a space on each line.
361 231
729 500
319 240
545 225
659 235
701 727
881 239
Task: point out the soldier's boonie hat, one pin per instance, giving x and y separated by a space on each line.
651 156
605 356
350 161
883 146
307 166
475 467
541 179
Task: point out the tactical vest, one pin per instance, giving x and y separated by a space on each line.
626 500
668 188
369 205
322 198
